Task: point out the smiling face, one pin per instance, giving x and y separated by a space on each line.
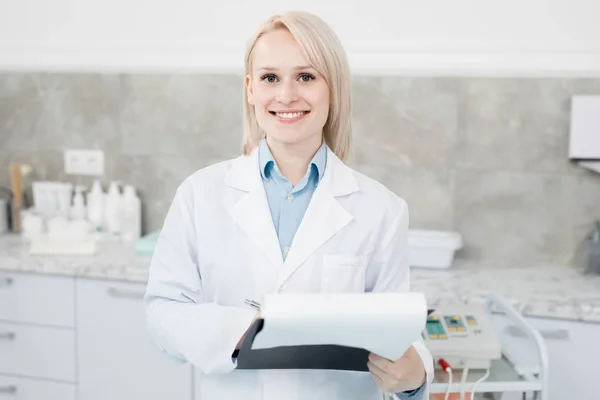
290 98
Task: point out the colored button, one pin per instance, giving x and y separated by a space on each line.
442 336
433 336
461 329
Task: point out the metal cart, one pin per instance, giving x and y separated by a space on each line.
503 375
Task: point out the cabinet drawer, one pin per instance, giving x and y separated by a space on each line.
30 389
38 352
44 300
116 359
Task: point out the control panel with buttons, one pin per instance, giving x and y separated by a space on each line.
461 333
452 325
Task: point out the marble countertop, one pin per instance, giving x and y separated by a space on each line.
553 292
113 260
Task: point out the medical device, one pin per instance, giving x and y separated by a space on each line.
463 336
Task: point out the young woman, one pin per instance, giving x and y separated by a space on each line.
286 216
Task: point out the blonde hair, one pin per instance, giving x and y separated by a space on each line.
325 53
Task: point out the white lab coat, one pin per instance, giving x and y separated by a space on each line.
218 247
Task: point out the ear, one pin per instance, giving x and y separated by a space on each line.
249 93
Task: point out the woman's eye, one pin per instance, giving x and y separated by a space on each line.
269 78
306 78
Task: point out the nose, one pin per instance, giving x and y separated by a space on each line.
287 93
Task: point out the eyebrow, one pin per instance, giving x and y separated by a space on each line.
267 68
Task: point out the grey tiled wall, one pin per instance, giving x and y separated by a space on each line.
486 157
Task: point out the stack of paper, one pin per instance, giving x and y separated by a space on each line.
382 323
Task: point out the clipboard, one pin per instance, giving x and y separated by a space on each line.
319 357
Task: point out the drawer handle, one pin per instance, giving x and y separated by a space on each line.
6 281
559 333
7 336
124 294
8 389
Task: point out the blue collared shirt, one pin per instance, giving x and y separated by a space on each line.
288 204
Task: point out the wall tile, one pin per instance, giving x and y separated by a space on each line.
79 111
518 125
21 105
512 217
183 115
411 121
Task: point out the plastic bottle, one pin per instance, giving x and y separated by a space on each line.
112 209
78 210
95 201
131 215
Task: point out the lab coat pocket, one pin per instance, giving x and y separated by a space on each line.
343 273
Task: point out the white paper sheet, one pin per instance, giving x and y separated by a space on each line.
382 323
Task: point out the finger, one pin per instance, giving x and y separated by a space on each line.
392 372
377 371
383 363
379 382
379 378
375 357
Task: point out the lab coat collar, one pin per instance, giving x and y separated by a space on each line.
267 164
244 174
324 216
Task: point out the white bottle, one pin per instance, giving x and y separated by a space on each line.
78 210
131 215
112 209
95 201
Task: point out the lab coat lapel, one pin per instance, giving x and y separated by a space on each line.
252 212
324 216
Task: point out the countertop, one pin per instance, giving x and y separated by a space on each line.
549 291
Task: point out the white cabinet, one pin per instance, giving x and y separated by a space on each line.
116 359
37 337
572 351
13 388
42 300
37 351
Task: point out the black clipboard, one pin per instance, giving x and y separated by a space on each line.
329 357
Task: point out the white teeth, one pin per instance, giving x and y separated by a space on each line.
290 115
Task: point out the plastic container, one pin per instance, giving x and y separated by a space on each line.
131 215
32 226
432 249
95 201
63 193
145 245
78 210
112 209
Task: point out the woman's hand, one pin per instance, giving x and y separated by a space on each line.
404 374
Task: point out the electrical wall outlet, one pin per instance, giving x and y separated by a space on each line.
84 162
